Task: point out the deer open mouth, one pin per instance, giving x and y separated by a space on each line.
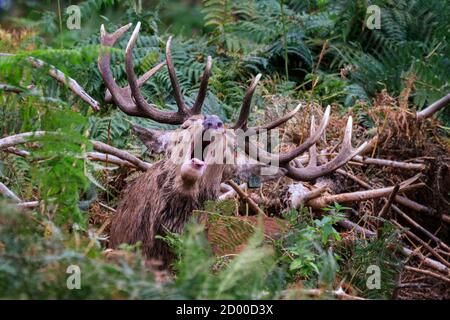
199 149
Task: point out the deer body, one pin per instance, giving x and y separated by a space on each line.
163 198
158 201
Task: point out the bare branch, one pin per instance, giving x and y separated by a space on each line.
363 195
388 203
103 147
20 138
64 79
108 158
8 88
230 194
428 273
253 206
433 108
389 163
17 152
419 227
8 193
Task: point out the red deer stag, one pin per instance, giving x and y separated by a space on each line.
163 198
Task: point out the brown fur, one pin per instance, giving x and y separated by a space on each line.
159 201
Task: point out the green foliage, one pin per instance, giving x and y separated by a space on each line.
283 40
308 247
381 253
249 275
34 266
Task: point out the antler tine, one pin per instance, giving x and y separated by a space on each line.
197 107
273 124
241 123
142 79
313 138
312 172
313 149
284 159
174 80
147 109
121 96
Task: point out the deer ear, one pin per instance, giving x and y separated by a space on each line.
152 139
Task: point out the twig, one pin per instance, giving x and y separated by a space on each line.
62 78
429 273
433 108
97 233
245 197
418 226
230 194
339 293
107 207
97 156
103 147
389 163
427 246
20 138
17 152
388 203
8 193
28 204
8 88
349 225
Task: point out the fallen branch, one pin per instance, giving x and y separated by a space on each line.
389 202
253 206
230 194
361 195
62 78
433 108
428 273
428 247
102 157
339 293
20 138
398 198
389 163
105 148
17 152
446 218
8 88
419 227
115 156
4 190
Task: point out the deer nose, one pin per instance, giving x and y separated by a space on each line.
212 122
196 163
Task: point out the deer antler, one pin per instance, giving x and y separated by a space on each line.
312 170
242 121
129 99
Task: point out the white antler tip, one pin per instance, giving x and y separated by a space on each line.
133 37
102 30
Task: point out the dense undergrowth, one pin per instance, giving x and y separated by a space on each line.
317 51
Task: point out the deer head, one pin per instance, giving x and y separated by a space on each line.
131 101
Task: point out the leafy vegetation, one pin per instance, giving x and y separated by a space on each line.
319 51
